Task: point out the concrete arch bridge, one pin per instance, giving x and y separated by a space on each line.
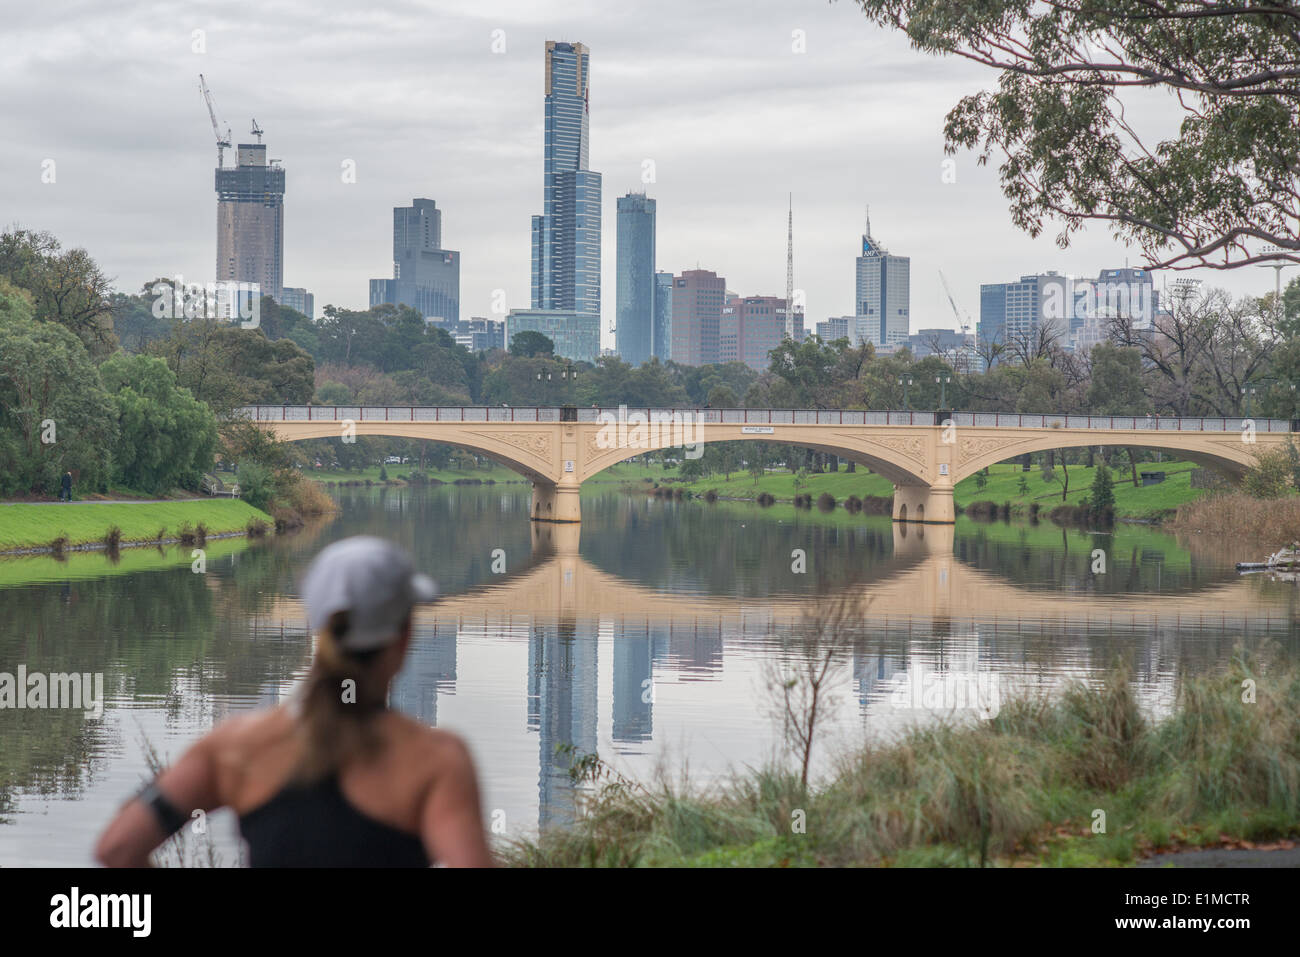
924 454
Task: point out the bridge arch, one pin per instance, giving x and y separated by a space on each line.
527 451
902 459
1226 452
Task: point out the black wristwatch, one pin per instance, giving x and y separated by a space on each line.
170 819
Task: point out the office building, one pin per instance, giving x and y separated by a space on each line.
426 277
750 327
661 344
837 327
575 336
299 300
634 294
883 299
1069 311
566 236
698 299
250 220
477 334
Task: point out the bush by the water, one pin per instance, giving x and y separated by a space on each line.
826 501
1083 514
853 504
1019 786
877 505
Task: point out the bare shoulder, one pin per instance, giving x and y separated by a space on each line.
442 749
237 738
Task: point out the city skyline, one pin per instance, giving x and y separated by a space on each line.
763 123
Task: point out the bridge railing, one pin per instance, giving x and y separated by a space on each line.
756 417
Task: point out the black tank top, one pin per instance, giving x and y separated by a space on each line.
316 826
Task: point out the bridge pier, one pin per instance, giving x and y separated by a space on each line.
555 503
931 504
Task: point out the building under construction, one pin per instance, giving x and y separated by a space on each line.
250 221
250 211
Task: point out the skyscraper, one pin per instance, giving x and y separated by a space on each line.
566 236
751 327
661 345
883 302
250 221
426 277
634 333
698 298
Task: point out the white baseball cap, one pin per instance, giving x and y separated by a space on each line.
371 579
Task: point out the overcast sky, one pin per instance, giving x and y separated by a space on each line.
712 91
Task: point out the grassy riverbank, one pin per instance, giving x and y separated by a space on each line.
1002 485
1024 787
24 526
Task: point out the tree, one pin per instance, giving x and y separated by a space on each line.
1115 386
528 344
227 366
54 415
1062 117
66 286
1102 495
166 437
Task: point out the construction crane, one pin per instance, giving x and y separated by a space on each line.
222 142
257 130
963 322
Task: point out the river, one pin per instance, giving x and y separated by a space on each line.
649 635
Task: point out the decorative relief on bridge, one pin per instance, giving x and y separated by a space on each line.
909 446
539 443
975 448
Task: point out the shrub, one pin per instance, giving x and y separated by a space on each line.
383 474
1271 477
853 504
877 505
256 484
256 528
826 501
766 498
186 534
711 495
113 539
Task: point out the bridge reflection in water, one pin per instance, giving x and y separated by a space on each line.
925 612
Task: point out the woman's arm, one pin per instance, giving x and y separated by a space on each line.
138 828
452 822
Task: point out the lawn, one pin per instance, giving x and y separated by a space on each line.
35 526
1003 485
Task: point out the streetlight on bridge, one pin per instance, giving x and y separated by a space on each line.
944 381
905 381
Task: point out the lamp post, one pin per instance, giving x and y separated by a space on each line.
905 381
943 381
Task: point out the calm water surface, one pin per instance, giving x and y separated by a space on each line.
648 635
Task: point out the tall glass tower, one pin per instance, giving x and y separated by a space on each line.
634 334
566 237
